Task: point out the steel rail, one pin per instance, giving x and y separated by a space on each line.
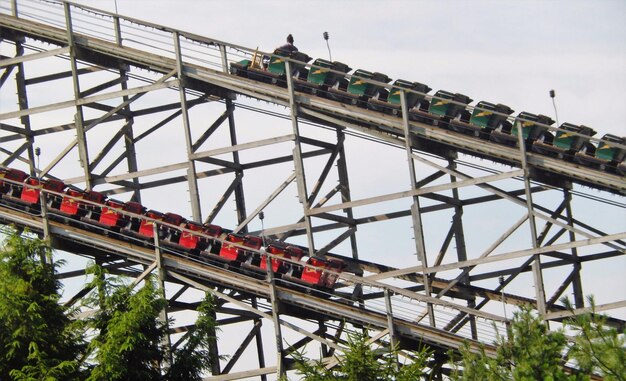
331 309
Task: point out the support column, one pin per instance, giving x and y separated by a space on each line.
342 169
536 265
43 199
418 232
214 350
240 199
129 139
298 162
579 299
392 335
22 96
321 328
79 120
191 165
280 353
459 238
161 277
259 341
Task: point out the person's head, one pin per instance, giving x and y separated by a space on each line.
290 39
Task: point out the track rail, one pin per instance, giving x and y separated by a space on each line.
103 246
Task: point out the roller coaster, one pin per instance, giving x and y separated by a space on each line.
130 220
309 279
444 109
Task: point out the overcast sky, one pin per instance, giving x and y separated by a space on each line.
510 52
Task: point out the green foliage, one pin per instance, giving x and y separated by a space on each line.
361 362
130 340
129 343
313 370
475 366
194 357
38 341
533 352
597 348
533 349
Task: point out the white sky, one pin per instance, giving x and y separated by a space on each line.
510 52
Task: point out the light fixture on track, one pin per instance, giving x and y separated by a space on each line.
325 35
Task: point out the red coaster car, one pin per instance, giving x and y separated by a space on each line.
146 226
214 246
190 238
279 266
167 227
70 205
32 191
78 205
14 186
318 274
93 202
170 228
233 248
113 218
257 263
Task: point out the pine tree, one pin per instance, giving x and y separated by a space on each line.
597 348
361 362
194 357
128 344
38 340
129 340
530 352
